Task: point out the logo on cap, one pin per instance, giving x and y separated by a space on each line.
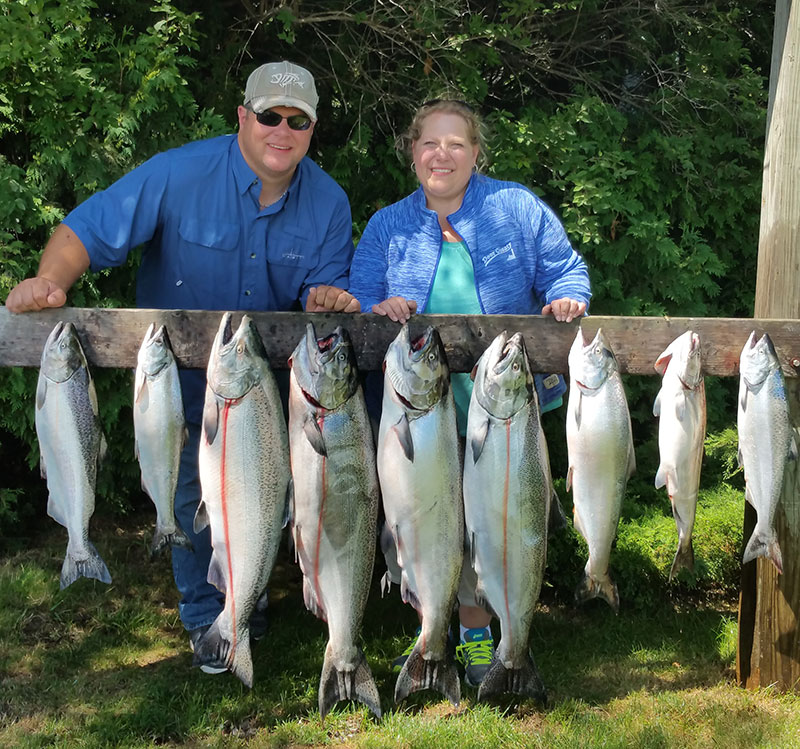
287 79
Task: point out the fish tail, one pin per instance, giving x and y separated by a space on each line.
93 567
418 674
764 544
524 681
684 558
357 684
594 587
216 650
163 538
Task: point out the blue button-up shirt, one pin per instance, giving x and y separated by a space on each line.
209 245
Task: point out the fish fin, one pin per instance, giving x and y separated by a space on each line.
312 602
140 390
663 362
557 519
216 570
408 594
479 433
93 396
288 511
185 438
631 458
765 545
740 458
418 674
200 517
661 477
471 545
524 681
578 409
136 455
102 449
792 449
54 511
42 466
93 567
680 406
210 417
576 521
684 559
569 478
354 683
743 398
41 392
749 497
314 435
217 651
163 537
657 405
403 431
591 587
386 583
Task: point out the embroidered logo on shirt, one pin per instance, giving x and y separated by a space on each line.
506 249
287 79
291 255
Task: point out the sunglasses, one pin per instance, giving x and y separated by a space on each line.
268 118
460 103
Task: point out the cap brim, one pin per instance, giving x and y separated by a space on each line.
261 103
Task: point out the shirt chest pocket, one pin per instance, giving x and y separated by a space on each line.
216 235
292 248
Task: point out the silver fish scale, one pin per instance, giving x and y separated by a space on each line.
246 518
424 511
510 542
335 512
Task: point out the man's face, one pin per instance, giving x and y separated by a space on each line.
272 152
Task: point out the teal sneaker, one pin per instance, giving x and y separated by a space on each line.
475 653
400 661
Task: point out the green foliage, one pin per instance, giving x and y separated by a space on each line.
640 124
83 99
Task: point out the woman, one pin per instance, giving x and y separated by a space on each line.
464 243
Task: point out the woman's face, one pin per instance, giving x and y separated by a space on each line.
444 158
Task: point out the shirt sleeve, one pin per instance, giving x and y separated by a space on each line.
112 222
336 253
368 270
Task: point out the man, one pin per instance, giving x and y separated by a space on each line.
238 222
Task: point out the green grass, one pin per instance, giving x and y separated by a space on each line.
109 666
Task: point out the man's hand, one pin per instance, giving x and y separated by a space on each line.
564 310
331 299
396 308
34 294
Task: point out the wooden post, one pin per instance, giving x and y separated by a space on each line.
769 604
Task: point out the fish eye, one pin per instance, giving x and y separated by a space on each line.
239 348
598 350
340 356
515 366
432 357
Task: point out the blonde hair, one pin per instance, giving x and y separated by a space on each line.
475 127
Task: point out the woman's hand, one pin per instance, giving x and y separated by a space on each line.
564 310
396 308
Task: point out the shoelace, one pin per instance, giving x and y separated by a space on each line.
477 653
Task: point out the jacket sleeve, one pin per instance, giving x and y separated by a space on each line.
560 270
368 270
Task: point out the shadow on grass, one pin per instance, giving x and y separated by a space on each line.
112 662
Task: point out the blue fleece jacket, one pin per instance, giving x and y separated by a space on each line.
520 252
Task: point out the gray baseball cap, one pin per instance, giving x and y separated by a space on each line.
281 84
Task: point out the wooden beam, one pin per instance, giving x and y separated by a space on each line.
111 337
769 604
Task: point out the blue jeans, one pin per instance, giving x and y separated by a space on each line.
200 602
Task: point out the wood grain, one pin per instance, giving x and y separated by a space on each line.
111 337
